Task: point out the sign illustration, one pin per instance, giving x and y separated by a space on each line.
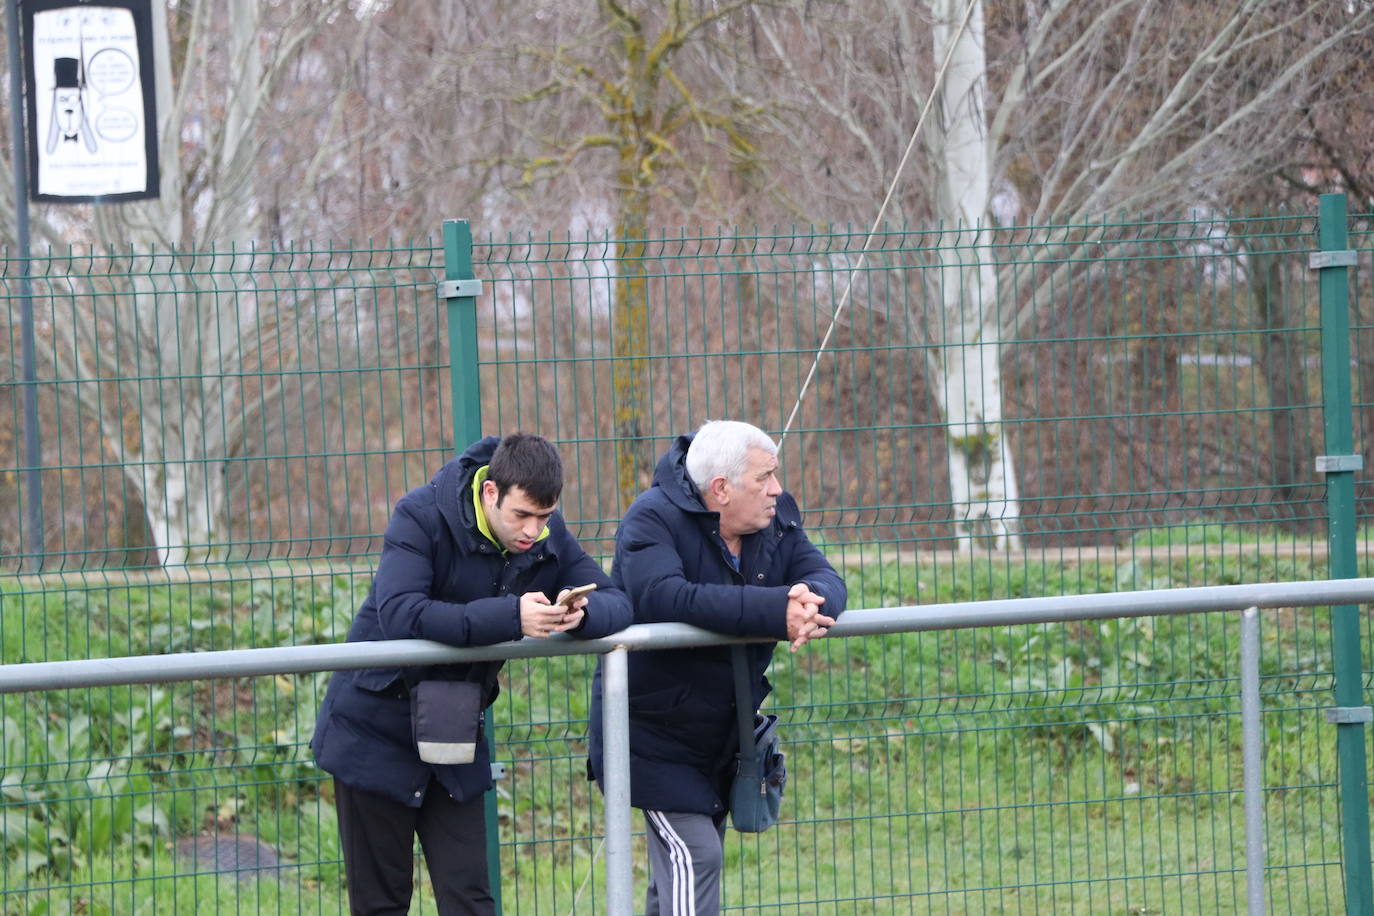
92 116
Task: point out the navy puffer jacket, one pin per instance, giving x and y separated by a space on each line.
673 564
439 578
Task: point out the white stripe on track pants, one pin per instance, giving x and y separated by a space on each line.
686 852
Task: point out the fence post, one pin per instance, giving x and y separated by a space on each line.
33 551
1252 738
1340 464
615 765
459 292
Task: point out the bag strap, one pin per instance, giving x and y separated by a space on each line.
744 708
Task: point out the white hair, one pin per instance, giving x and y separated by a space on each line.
721 449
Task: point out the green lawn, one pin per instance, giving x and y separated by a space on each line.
1078 768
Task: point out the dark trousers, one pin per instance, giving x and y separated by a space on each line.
378 837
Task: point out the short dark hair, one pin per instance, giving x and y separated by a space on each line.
529 462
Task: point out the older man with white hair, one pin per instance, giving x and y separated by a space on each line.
715 542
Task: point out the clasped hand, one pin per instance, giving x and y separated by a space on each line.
804 618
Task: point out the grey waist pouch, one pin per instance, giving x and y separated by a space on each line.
446 719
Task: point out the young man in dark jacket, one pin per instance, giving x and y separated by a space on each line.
715 542
477 556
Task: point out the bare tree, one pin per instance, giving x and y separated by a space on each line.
967 360
1055 113
299 120
156 341
630 83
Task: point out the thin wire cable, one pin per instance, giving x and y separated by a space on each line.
873 230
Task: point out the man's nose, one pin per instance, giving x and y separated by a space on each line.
774 486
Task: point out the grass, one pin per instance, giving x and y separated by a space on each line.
1077 768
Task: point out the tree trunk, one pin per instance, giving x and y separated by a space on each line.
182 489
184 503
1157 384
1287 388
967 380
189 357
629 346
630 314
982 485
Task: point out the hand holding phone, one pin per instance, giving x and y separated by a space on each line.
572 594
573 615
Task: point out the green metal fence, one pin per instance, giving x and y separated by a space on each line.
248 417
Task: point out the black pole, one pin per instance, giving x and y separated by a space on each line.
32 553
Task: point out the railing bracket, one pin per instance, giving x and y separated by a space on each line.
1331 464
1317 260
1349 715
453 289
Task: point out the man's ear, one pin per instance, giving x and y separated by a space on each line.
491 493
720 490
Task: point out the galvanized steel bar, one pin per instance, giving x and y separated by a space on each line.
1341 534
1252 754
151 669
615 711
1152 603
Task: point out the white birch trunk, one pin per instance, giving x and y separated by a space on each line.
967 375
982 485
160 221
184 500
188 426
185 385
234 214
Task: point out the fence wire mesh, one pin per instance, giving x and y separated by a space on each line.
1018 412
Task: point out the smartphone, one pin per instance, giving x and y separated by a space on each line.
577 592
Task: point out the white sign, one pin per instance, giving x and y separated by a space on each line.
89 105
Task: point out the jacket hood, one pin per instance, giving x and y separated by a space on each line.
671 476
453 481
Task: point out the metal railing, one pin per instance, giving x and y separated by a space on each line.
38 676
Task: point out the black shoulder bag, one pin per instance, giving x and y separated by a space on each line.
760 770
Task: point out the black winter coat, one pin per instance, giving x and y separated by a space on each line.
439 578
673 564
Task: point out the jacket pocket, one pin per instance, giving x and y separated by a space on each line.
657 702
386 681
